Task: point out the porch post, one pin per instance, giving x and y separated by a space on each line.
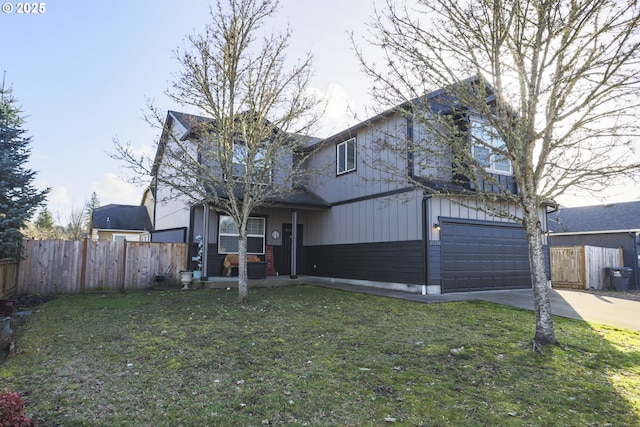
205 240
294 243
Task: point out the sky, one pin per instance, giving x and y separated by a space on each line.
83 70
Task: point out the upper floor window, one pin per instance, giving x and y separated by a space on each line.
484 145
241 159
346 156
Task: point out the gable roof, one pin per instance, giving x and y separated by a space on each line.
121 217
609 217
193 124
189 121
440 101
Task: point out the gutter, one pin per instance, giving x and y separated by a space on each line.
574 233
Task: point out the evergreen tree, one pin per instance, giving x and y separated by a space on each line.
18 197
89 207
44 220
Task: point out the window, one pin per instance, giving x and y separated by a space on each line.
346 156
240 158
484 138
228 235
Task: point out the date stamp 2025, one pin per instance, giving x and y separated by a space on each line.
24 8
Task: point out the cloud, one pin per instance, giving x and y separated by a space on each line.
59 202
114 190
341 112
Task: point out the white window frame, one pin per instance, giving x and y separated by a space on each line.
236 235
342 165
492 142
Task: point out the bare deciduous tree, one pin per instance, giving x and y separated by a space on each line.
249 152
76 228
556 83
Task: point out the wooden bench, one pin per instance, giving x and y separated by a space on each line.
256 268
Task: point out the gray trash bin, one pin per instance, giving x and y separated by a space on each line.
619 277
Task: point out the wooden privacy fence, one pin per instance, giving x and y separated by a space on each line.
62 266
8 277
583 267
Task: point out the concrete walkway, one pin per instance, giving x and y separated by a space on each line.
592 308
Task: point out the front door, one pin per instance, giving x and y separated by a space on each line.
287 238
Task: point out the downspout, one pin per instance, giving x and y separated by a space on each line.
294 244
425 243
154 192
636 259
205 241
545 236
189 239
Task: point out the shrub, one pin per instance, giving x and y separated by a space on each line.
12 410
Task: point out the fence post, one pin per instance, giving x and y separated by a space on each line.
583 262
124 266
621 252
3 282
83 266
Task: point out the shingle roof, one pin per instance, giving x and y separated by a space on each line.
617 216
190 121
440 101
121 217
302 198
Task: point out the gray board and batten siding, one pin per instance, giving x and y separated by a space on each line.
373 230
379 230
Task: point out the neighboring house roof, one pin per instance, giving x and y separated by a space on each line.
121 217
598 218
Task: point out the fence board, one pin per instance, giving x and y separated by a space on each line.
599 259
582 267
8 277
54 266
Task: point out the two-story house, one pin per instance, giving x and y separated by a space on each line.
352 224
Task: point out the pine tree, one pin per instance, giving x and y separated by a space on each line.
44 220
93 203
18 197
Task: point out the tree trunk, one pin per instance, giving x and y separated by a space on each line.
541 287
243 278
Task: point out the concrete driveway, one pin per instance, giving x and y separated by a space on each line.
593 308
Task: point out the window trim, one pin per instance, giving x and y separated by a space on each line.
237 235
492 154
339 146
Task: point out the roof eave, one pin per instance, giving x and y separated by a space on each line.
575 233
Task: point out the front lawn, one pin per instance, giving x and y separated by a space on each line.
312 356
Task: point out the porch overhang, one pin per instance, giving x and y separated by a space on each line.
300 198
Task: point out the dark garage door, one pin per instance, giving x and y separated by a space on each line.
483 256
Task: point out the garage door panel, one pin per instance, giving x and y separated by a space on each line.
483 256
